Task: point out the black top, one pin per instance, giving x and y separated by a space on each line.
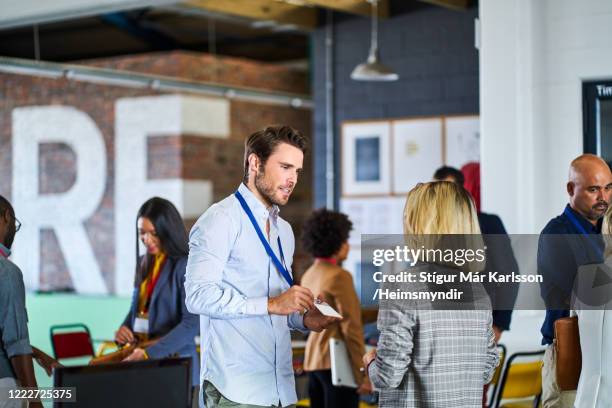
500 257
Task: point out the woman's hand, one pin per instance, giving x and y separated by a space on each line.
124 335
137 355
365 387
498 332
368 358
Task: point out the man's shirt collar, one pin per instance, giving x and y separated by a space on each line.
586 224
4 251
257 207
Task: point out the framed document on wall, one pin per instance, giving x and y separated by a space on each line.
417 152
462 140
365 158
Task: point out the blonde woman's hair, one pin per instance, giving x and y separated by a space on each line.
440 207
437 209
606 232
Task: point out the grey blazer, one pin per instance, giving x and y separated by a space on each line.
169 318
429 357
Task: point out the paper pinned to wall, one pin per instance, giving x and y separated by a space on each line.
462 140
417 152
373 215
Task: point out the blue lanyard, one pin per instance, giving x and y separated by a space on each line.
569 214
281 268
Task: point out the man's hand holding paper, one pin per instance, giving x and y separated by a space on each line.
321 316
295 299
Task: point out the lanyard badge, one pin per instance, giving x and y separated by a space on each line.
141 324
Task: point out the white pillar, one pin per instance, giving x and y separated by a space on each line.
136 120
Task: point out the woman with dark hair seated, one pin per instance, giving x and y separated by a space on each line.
158 308
325 237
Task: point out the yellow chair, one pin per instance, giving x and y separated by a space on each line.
521 381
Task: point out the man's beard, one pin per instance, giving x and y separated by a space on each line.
8 239
267 191
596 213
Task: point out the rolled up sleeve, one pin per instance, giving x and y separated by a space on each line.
256 306
492 360
394 351
395 344
295 321
210 243
13 314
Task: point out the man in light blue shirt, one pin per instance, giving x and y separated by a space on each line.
245 295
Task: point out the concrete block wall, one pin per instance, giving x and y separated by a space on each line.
432 50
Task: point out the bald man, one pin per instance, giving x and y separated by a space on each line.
576 243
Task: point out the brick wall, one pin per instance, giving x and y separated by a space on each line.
169 156
209 68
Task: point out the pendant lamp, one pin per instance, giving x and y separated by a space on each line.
373 69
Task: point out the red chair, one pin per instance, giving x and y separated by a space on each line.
71 340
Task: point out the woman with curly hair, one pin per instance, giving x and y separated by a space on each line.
325 237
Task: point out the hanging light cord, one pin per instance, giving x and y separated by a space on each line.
374 45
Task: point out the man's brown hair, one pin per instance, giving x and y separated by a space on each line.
264 141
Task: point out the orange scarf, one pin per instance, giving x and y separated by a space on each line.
148 284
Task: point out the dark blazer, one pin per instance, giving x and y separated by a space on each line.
169 318
500 257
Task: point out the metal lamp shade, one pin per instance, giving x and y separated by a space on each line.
373 70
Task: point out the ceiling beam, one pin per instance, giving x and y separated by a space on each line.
303 18
361 7
28 12
451 4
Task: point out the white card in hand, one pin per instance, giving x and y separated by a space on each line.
327 310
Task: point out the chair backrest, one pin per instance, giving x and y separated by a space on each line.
503 352
521 380
71 340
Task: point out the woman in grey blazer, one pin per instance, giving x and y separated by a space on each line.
435 353
158 308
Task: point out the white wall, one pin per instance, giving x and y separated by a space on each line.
534 56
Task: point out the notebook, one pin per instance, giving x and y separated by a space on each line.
341 368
